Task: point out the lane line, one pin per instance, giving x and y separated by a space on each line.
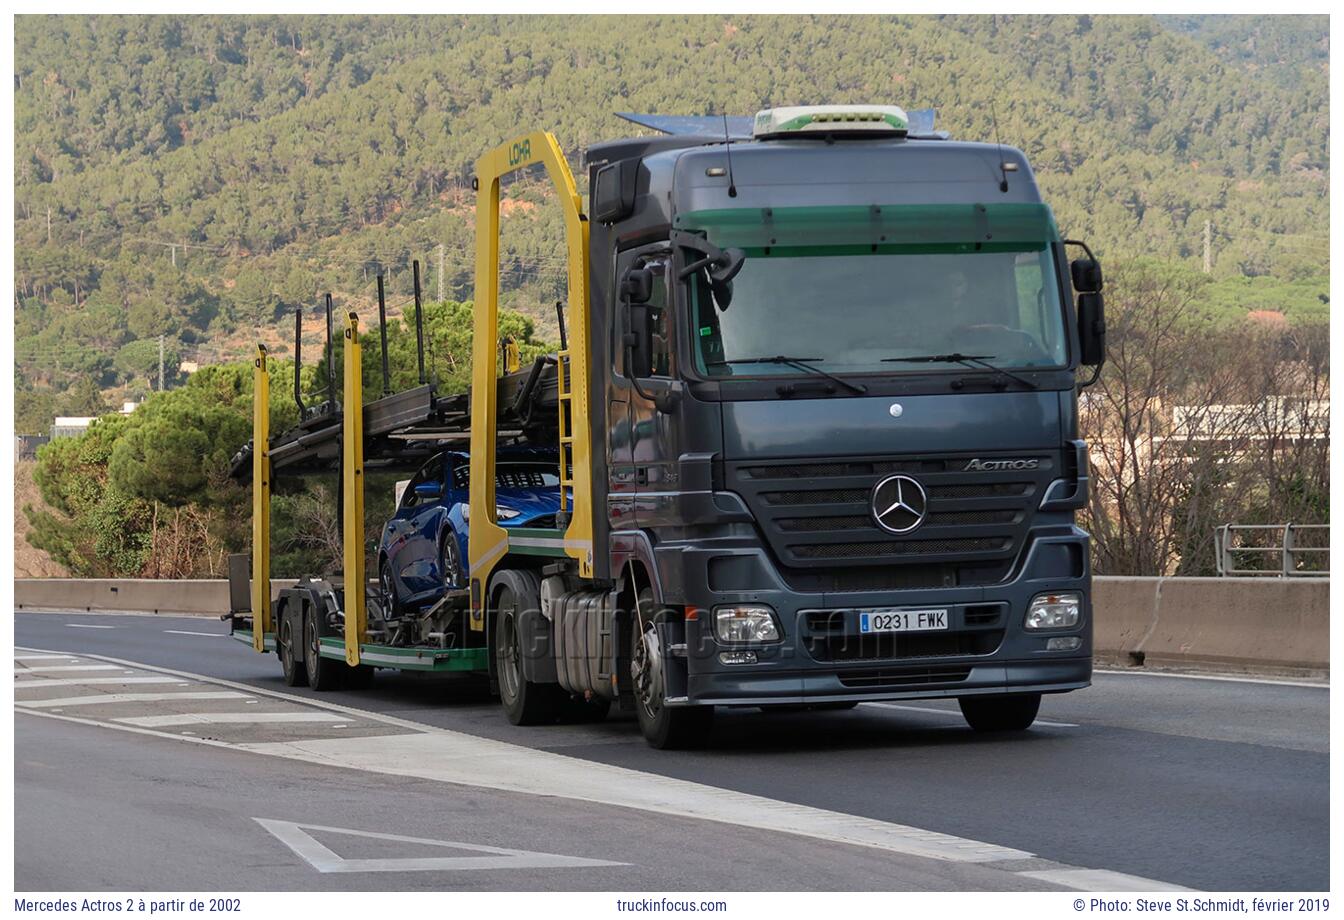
324 860
87 626
956 713
45 668
79 682
99 699
1219 677
188 632
468 760
46 657
1100 880
229 718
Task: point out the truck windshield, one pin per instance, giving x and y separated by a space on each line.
855 288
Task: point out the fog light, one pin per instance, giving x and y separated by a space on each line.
742 656
1054 611
1063 644
745 623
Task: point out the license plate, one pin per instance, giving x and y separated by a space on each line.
903 621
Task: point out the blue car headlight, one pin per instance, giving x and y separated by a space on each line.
501 514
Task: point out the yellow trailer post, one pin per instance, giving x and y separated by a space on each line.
352 490
488 542
261 500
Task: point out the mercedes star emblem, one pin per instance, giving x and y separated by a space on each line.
899 504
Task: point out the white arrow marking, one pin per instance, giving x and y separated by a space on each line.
324 860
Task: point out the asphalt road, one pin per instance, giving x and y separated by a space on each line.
1207 784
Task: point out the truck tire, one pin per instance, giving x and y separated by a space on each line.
664 727
1000 713
323 673
295 675
525 702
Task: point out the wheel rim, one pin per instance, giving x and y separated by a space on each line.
509 677
641 670
448 561
286 645
385 586
310 639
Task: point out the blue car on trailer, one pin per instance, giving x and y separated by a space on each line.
424 544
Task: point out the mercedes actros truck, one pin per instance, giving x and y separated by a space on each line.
816 423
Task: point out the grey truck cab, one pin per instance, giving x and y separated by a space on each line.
839 369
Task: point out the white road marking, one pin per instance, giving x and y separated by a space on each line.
956 713
229 718
99 699
324 860
79 682
1100 880
45 657
44 668
1317 685
188 632
87 626
468 760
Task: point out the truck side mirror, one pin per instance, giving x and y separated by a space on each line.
1091 328
1086 275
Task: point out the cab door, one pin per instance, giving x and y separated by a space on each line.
653 434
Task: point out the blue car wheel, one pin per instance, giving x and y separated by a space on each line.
450 561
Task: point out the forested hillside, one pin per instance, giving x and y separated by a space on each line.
196 177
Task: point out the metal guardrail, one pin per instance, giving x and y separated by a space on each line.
1241 550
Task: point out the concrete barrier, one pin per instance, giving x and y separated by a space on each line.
1251 623
193 597
1261 623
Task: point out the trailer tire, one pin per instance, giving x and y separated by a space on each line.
323 673
295 675
1001 713
359 677
525 702
664 727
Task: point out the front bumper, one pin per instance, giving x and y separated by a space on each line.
977 655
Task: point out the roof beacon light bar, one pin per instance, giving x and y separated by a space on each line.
830 119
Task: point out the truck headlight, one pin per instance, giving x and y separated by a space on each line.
1054 611
746 623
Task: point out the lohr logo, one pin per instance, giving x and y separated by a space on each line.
520 152
990 466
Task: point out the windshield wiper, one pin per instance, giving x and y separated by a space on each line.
978 362
800 363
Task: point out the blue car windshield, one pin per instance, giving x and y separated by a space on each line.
515 476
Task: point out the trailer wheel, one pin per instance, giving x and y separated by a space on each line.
295 676
1000 713
323 673
525 702
359 677
664 727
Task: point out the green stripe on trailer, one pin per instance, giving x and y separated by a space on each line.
539 541
411 659
245 636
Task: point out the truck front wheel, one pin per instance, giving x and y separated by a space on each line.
664 727
1000 713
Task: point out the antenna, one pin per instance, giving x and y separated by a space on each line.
1003 168
728 148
